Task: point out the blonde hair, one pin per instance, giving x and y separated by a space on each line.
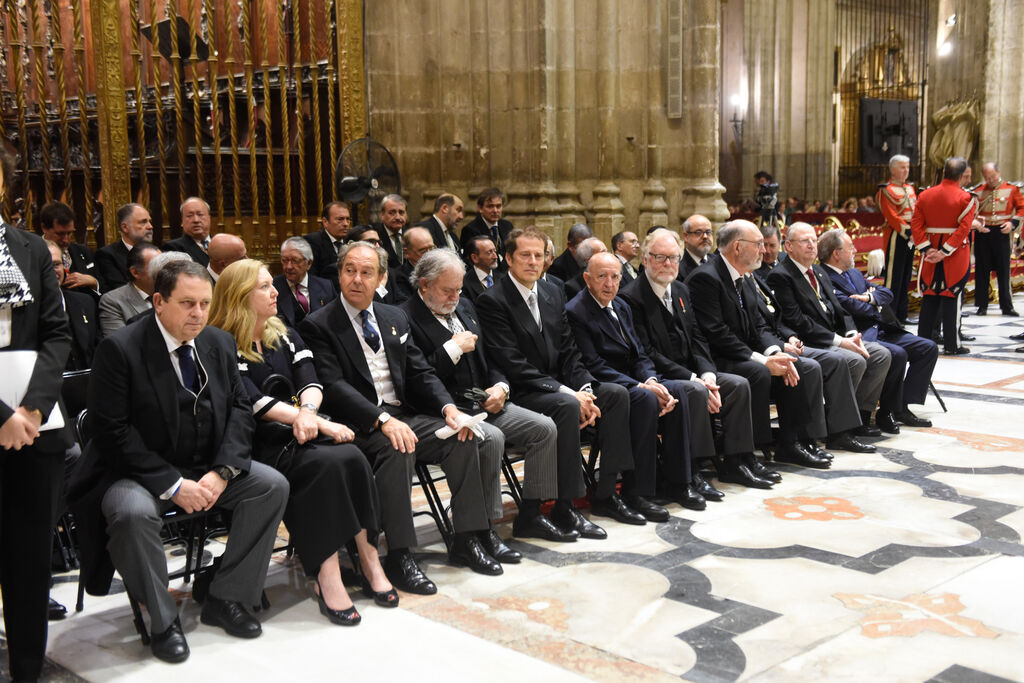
231 312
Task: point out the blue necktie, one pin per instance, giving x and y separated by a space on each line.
488 281
370 334
188 367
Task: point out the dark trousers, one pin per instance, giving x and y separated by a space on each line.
913 361
992 254
899 264
30 484
564 410
759 383
931 305
674 427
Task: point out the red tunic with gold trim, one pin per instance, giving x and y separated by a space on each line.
942 220
896 202
996 206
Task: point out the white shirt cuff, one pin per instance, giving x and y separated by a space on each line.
566 390
454 350
169 493
772 350
710 377
836 340
759 357
504 387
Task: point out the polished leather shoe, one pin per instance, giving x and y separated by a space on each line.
982 310
705 489
687 496
813 448
570 519
794 454
56 611
497 549
846 442
467 551
170 646
540 526
886 422
230 616
966 337
741 474
1017 337
405 575
1019 349
908 418
341 617
1011 313
616 508
652 512
760 469
865 429
960 351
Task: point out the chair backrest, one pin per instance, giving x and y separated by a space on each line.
75 390
81 429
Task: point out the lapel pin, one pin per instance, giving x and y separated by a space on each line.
682 305
393 332
84 319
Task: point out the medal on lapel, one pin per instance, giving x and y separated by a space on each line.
393 332
682 305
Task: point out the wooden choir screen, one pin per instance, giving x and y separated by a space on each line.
246 103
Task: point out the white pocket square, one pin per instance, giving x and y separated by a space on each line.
401 340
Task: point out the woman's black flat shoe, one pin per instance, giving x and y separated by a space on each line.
384 599
341 617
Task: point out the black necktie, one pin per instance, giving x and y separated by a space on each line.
187 365
739 290
370 334
617 324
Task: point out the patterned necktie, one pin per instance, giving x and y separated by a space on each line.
495 237
301 298
337 247
739 289
488 281
668 300
814 279
187 365
396 241
534 310
370 334
206 244
66 258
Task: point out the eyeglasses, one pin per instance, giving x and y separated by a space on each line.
661 258
293 261
702 233
807 241
759 243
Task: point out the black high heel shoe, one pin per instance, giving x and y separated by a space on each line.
341 617
387 598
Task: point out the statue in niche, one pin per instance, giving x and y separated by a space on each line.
955 130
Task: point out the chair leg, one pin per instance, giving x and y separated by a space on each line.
515 489
935 391
140 625
80 603
437 510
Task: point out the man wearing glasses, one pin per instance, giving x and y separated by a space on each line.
697 240
626 246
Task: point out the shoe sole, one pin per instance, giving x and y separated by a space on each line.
236 634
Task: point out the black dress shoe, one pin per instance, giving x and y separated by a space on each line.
866 430
1019 349
341 617
794 454
568 518
1017 337
170 646
759 468
497 549
56 611
966 337
705 489
540 526
846 442
652 512
405 575
1011 313
911 420
982 310
813 448
738 473
230 616
886 422
960 351
614 507
687 496
467 551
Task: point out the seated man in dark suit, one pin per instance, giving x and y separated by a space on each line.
697 240
377 382
809 306
225 249
120 305
490 204
112 260
58 225
666 325
445 327
529 340
483 270
336 220
442 224
172 425
195 228
626 246
612 352
299 292
81 312
772 247
567 266
913 357
549 259
416 242
584 252
393 219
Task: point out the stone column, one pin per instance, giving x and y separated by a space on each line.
1002 125
608 216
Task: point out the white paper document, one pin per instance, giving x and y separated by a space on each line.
471 422
16 371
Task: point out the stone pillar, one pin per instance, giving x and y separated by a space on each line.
1002 125
608 217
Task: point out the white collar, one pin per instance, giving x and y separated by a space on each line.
353 312
733 273
658 289
524 291
171 342
480 275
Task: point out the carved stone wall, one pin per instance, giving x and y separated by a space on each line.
561 103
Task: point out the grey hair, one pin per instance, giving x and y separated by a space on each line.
181 207
579 232
434 264
657 234
396 198
898 159
163 258
828 243
732 231
300 245
588 248
770 230
382 256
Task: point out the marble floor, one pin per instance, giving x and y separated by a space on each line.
905 565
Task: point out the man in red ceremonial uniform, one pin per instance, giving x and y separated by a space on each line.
940 225
896 201
1000 210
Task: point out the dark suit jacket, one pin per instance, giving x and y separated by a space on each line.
564 266
574 286
814 325
399 284
864 314
133 416
627 277
472 370
531 359
325 258
395 258
189 246
471 285
112 265
768 307
672 340
686 266
39 326
83 261
84 321
553 279
478 226
733 332
431 224
288 309
607 354
349 394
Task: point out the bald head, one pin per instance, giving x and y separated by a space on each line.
224 250
415 243
603 275
741 244
587 248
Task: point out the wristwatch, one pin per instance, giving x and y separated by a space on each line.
224 472
382 419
